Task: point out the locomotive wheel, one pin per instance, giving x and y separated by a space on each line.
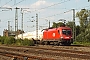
46 42
59 44
66 44
55 43
42 42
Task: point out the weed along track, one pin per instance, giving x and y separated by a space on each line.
40 53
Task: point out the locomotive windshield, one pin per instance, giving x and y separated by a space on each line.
66 32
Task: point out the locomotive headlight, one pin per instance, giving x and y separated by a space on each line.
61 37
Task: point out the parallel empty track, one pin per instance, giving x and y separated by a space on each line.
41 53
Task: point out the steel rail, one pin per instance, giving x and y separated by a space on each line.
52 52
22 57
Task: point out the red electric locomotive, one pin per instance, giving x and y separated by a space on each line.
58 36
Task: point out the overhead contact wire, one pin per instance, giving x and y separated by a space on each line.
6 3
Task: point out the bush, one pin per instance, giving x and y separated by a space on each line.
18 42
82 43
24 42
9 40
13 41
27 42
2 39
81 37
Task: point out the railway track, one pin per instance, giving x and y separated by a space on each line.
42 53
17 56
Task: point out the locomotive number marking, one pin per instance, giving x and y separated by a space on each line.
53 34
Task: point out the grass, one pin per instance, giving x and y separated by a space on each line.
82 43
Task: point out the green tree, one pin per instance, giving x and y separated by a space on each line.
70 24
82 15
77 30
87 32
84 28
57 24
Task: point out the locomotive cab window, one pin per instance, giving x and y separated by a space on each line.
67 32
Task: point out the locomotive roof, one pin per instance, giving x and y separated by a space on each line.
50 29
65 27
61 28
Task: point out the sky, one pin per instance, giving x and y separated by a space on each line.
47 10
